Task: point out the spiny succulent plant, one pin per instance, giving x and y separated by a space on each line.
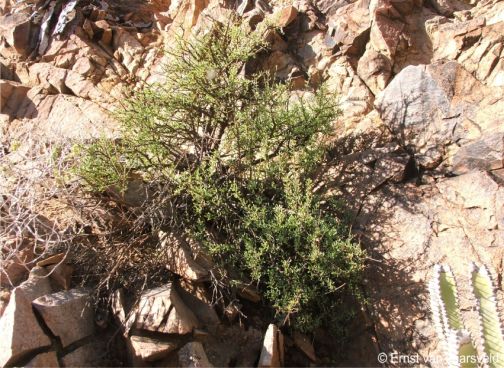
458 345
492 338
457 342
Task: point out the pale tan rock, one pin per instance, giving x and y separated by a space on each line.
279 63
107 35
193 355
431 106
127 49
354 97
180 259
67 314
88 28
150 350
375 69
272 353
48 359
83 66
487 153
60 117
18 318
162 310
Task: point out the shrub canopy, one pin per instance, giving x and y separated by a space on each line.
236 154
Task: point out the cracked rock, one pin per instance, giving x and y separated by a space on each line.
67 314
162 310
20 332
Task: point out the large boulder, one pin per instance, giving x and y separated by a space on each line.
20 332
434 109
67 314
410 228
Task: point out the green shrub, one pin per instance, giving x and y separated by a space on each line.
237 154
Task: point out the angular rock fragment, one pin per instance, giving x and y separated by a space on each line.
67 314
284 16
17 30
18 316
272 353
180 259
162 310
193 355
150 350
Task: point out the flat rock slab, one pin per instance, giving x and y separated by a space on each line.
272 353
162 310
67 314
20 332
150 350
180 258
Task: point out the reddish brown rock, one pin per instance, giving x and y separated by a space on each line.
15 269
68 314
48 359
284 16
17 29
18 319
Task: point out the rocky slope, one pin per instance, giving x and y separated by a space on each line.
421 137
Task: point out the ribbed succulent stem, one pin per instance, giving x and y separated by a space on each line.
491 338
